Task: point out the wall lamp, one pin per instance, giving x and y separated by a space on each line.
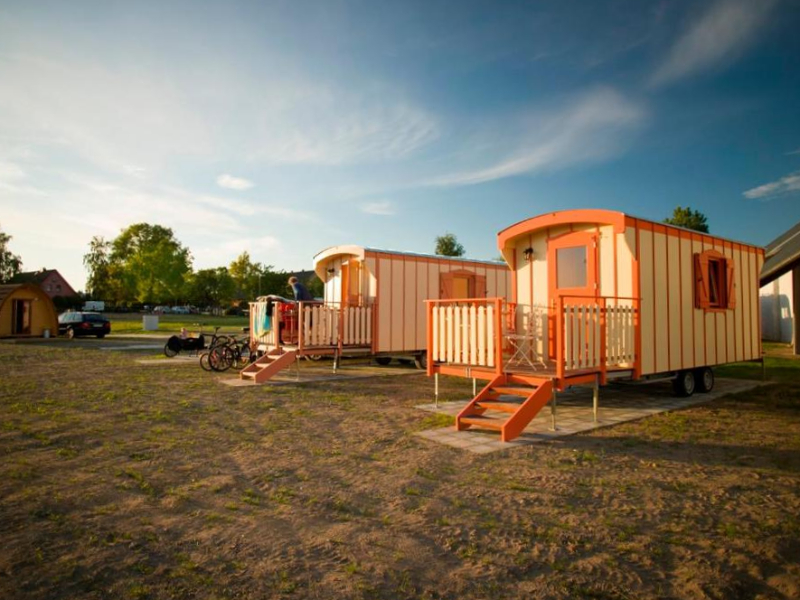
528 254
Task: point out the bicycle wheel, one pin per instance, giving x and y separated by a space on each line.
204 362
220 358
172 347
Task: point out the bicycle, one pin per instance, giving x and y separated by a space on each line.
216 341
234 353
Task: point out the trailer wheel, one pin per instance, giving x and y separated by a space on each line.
421 360
705 379
383 360
684 384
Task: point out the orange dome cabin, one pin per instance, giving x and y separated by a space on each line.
26 311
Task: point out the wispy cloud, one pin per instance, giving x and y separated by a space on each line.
324 125
234 183
10 172
717 37
785 185
382 207
593 127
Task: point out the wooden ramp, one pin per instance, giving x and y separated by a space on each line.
268 365
491 410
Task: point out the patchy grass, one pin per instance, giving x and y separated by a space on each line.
119 480
132 323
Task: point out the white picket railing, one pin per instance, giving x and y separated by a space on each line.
587 334
312 324
321 325
465 332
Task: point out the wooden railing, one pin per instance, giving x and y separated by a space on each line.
595 334
309 325
466 332
576 334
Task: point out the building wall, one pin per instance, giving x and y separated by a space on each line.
399 284
55 285
777 314
43 313
676 335
404 282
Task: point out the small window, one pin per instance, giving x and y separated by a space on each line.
714 281
461 287
716 284
571 267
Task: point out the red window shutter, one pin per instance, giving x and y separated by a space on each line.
730 292
701 281
480 286
446 286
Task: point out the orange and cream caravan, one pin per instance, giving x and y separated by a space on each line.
596 295
374 304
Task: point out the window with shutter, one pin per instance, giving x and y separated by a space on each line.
714 281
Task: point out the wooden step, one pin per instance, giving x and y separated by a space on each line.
520 391
509 407
479 421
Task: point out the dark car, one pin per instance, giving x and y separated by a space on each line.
73 324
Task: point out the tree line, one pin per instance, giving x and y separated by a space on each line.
146 264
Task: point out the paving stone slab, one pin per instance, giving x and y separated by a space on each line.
619 403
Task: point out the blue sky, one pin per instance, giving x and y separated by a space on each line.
282 128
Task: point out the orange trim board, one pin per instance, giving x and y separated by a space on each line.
463 264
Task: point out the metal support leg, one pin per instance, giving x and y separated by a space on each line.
297 366
595 398
553 403
474 387
436 389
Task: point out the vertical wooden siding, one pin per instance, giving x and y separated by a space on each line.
675 334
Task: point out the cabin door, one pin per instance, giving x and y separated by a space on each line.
351 283
572 274
21 315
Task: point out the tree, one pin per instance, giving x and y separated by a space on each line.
10 264
149 264
253 279
315 286
447 245
210 287
97 263
688 218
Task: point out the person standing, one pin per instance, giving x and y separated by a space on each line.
301 293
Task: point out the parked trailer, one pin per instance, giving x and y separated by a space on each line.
597 295
374 304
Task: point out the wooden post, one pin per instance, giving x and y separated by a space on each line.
498 365
559 338
796 310
596 398
430 334
436 390
553 403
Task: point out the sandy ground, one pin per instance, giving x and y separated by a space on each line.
123 481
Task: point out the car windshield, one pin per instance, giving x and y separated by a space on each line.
65 318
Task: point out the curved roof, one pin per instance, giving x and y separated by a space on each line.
360 252
9 288
562 217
